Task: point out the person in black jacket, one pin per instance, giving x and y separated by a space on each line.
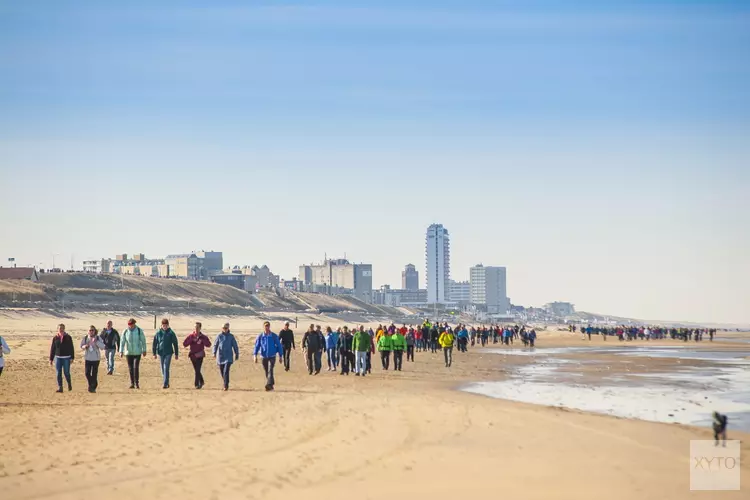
314 344
61 353
345 348
111 339
720 428
287 340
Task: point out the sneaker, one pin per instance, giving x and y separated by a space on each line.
357 374
70 387
269 387
137 386
59 390
226 389
132 386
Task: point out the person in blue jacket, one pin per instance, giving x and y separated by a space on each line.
225 351
268 345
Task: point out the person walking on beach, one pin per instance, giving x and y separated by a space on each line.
197 343
287 341
434 339
313 343
165 345
532 337
332 339
133 346
361 345
410 341
61 353
268 346
4 349
398 343
111 339
446 342
720 428
385 346
225 351
345 348
92 345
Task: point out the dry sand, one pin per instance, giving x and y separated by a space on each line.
391 435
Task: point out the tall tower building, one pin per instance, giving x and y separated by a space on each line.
410 278
437 252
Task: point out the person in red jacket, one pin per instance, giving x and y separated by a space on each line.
197 343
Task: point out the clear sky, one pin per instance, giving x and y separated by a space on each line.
600 152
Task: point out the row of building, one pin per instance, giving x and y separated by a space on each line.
194 265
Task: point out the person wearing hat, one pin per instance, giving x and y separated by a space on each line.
268 346
287 341
225 351
133 346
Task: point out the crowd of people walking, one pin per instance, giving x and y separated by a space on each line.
347 350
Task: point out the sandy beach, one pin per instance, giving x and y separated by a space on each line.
411 434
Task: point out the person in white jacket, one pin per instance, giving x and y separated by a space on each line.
92 344
4 349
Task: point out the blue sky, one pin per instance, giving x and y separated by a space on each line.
599 151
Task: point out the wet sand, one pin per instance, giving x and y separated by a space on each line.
391 435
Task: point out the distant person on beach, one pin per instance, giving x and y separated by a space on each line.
92 345
197 343
385 346
410 343
720 428
446 342
226 351
165 346
398 344
532 337
61 353
332 340
361 345
111 339
313 343
133 346
268 345
4 349
345 347
434 338
287 341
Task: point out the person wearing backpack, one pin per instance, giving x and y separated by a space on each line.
92 345
111 339
133 347
197 343
165 345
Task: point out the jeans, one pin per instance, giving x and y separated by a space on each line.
434 345
197 364
110 355
224 369
287 357
398 360
410 353
268 364
347 361
92 374
368 362
165 361
362 362
333 358
134 363
385 359
314 361
62 365
448 353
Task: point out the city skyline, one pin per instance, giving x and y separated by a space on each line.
597 150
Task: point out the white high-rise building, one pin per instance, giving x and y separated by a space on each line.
438 255
488 288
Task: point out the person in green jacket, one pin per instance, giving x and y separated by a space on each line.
362 345
385 346
165 345
399 346
133 346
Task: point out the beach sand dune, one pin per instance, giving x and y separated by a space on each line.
391 435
